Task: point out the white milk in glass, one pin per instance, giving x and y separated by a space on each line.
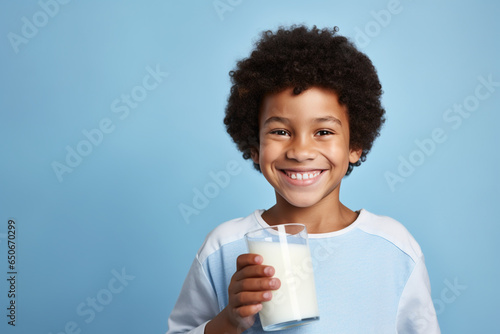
296 298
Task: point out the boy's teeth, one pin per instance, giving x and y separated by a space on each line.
303 176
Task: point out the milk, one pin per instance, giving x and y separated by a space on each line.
296 298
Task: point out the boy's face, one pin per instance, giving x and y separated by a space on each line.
304 145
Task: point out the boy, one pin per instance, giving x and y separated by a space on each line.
305 107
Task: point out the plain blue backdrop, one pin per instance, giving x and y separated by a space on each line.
111 125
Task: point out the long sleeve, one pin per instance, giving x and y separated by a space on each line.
416 313
196 305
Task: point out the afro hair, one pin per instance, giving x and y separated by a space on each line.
300 58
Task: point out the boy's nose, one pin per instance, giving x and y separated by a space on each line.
301 150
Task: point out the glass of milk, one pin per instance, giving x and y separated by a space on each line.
285 247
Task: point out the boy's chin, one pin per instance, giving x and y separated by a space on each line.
301 202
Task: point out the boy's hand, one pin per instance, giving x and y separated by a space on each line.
250 285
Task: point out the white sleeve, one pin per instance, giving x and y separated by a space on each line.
416 313
196 305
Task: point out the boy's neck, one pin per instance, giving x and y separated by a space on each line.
323 217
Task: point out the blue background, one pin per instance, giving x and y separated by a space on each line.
118 209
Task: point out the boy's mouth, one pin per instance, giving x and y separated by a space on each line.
306 175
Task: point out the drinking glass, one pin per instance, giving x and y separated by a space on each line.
285 247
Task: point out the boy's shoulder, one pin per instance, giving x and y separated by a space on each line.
228 232
391 230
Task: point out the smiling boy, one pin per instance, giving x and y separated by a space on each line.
305 107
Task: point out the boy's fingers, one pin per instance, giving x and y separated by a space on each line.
253 271
248 310
258 284
237 287
248 259
249 298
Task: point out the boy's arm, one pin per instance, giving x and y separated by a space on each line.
222 325
196 305
416 313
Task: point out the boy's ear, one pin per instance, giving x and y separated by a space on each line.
254 153
354 155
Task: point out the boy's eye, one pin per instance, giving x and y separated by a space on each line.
324 133
280 132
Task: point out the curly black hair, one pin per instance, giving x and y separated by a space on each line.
301 58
